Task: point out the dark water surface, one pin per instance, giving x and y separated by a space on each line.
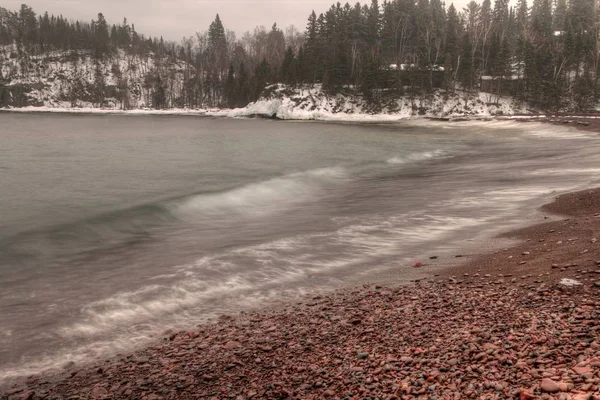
114 228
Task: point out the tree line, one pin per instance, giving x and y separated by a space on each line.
549 51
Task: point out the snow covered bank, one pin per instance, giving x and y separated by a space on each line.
66 79
62 81
312 103
115 111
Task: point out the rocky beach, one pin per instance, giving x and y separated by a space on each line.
519 323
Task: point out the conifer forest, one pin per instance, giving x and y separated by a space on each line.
545 53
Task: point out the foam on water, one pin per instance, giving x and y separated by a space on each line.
416 157
244 277
262 198
592 172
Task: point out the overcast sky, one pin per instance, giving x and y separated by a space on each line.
174 19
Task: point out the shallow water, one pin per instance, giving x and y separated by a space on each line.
115 228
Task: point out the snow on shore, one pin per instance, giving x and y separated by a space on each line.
312 103
114 111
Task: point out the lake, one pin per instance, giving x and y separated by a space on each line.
116 228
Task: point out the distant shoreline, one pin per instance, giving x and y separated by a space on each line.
588 122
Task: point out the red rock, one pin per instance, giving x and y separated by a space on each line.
526 396
549 386
582 370
232 344
99 392
417 264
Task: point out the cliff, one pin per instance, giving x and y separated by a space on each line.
74 79
312 103
126 81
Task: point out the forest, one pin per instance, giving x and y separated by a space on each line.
544 53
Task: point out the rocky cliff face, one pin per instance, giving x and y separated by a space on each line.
75 79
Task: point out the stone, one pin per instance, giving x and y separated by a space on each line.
569 282
526 396
581 396
549 386
99 392
232 344
581 370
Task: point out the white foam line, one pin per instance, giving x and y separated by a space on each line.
264 197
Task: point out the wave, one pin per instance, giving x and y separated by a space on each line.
139 224
416 157
262 197
109 230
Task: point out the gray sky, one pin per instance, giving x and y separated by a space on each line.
174 19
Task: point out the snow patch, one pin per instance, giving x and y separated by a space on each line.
569 282
313 103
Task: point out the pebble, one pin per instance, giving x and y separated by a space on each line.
549 386
434 340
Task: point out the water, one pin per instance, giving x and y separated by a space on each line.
115 228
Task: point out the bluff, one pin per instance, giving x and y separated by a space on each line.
127 80
76 79
311 102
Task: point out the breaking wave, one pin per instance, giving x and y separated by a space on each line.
416 157
263 197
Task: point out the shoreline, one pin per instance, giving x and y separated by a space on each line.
390 340
589 122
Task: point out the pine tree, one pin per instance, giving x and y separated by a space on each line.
101 37
288 73
230 93
261 78
560 15
99 85
243 87
453 50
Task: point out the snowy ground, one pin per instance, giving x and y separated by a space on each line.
50 77
311 103
145 111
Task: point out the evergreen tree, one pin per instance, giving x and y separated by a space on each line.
288 73
101 37
230 88
99 85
